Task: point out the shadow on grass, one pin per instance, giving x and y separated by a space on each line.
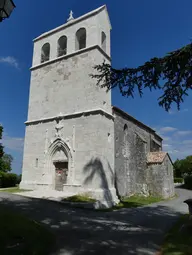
20 235
179 238
128 231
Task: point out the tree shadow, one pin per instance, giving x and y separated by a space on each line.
128 231
94 170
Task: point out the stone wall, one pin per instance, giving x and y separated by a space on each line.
65 87
131 168
90 142
160 179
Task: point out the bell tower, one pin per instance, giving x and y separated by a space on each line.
63 94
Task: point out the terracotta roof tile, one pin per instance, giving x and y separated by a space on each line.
156 157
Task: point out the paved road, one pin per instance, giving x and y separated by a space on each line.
128 231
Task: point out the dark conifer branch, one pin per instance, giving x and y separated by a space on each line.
171 74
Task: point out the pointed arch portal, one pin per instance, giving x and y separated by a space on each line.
59 162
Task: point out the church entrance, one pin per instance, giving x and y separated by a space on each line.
61 173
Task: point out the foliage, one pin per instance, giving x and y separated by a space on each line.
7 180
19 177
5 163
178 180
179 239
79 198
183 167
188 182
171 74
20 235
5 159
1 147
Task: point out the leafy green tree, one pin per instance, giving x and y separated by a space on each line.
5 163
5 159
177 168
183 166
171 74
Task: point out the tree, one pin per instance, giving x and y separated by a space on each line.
171 74
1 147
177 169
5 163
5 159
183 167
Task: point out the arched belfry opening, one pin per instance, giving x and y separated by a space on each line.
45 52
59 161
81 38
62 46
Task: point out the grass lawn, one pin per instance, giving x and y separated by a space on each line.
179 240
21 236
13 190
79 198
134 201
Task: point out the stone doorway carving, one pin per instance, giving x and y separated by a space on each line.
59 164
61 173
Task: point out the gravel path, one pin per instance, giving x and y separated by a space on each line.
127 231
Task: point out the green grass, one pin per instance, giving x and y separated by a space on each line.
179 239
79 198
13 190
134 201
20 235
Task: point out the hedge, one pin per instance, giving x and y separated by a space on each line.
188 182
178 180
7 180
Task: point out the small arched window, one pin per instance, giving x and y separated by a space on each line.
45 52
80 39
62 46
125 128
103 41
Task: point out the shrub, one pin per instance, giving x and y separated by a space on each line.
7 180
188 182
178 180
19 177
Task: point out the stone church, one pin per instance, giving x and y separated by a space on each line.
75 140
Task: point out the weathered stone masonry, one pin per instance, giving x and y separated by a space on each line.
134 142
75 142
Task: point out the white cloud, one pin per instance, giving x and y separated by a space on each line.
166 138
178 143
13 143
167 129
10 60
166 145
177 147
172 112
187 142
183 132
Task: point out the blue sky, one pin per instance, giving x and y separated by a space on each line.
141 30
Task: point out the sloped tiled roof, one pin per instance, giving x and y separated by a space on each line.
156 157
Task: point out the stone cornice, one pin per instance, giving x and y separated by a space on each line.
71 115
71 55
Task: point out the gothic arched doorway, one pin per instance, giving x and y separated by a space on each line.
59 163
